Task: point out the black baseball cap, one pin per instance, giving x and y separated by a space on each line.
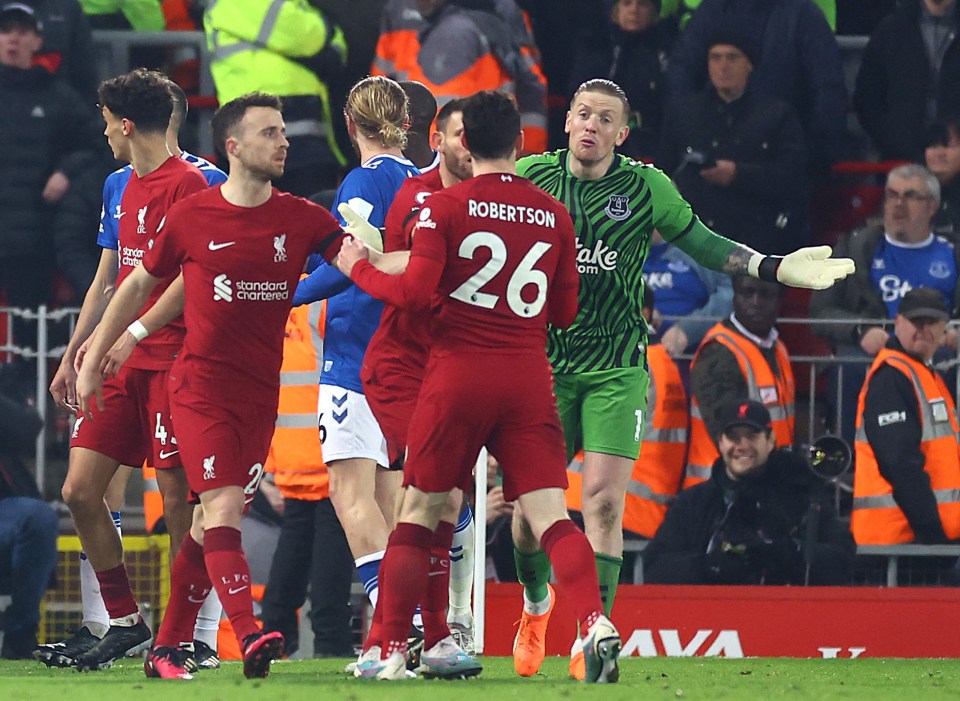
17 13
746 412
924 303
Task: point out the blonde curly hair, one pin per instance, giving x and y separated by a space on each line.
378 107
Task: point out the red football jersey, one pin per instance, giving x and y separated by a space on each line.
404 336
240 268
498 253
145 203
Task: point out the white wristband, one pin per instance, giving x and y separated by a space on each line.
753 264
138 330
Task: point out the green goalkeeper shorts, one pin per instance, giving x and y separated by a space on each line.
603 411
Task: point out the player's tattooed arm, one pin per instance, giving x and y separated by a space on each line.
738 259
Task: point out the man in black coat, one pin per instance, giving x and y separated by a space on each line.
28 528
909 76
50 143
737 155
762 517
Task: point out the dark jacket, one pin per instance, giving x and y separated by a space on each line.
765 207
799 63
19 426
51 129
752 531
636 61
67 44
892 84
856 297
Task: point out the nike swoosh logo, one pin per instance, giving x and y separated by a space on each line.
237 590
217 246
164 456
118 215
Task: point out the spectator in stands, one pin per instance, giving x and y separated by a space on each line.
459 47
891 258
738 155
312 548
51 140
67 49
685 9
799 62
28 529
907 478
740 357
909 76
140 15
631 50
293 50
761 518
942 157
683 287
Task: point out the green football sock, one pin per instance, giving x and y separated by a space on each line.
608 573
533 571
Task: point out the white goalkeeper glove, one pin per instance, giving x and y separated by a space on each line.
360 229
810 267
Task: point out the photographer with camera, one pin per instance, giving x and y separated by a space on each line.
763 517
738 156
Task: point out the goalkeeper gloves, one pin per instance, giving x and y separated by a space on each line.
360 229
810 267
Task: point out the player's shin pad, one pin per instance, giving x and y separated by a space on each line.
359 228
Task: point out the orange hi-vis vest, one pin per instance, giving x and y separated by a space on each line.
507 59
295 457
775 390
876 519
658 470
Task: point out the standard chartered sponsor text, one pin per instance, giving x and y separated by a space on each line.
512 213
130 256
262 291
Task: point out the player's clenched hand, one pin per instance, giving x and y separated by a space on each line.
351 252
63 388
360 228
89 390
117 356
813 267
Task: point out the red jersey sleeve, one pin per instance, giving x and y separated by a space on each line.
414 288
328 236
562 297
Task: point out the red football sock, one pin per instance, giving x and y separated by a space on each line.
189 587
575 568
408 557
230 575
115 589
433 604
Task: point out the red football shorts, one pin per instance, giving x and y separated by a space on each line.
392 392
504 402
222 446
135 422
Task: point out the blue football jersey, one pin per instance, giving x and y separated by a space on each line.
353 315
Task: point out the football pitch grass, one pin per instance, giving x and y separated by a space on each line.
640 678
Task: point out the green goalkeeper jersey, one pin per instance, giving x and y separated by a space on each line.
614 218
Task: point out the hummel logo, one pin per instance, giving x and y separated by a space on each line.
231 590
217 246
164 456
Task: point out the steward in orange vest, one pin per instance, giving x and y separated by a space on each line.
462 48
658 471
740 357
312 547
906 485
